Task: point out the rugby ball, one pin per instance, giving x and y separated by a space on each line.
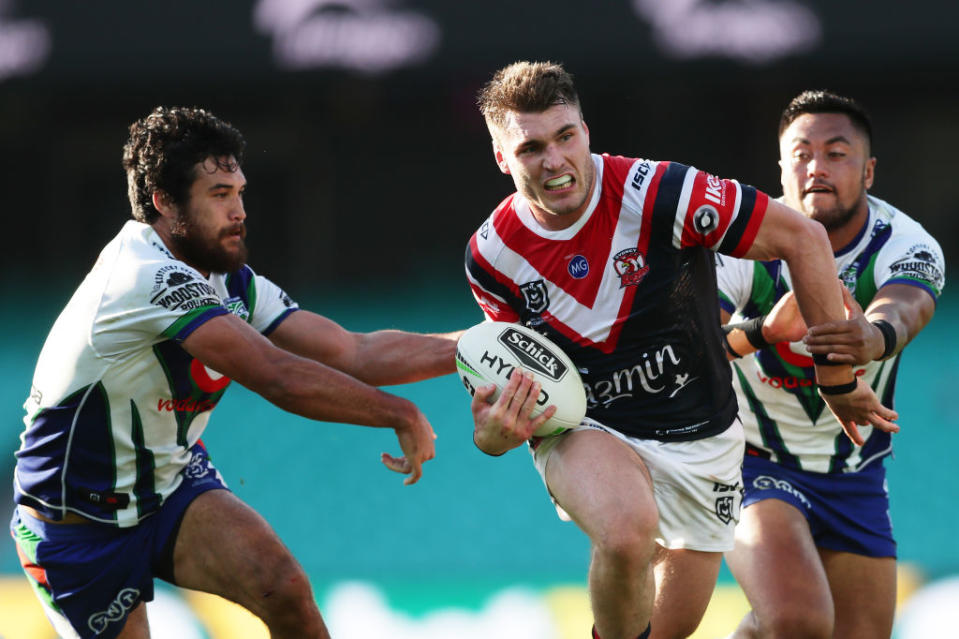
488 353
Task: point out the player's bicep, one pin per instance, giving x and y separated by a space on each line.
782 232
233 348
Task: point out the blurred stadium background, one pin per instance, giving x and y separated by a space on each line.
369 168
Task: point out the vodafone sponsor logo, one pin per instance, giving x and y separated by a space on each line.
792 382
189 405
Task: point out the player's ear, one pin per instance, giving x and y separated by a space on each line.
163 203
586 129
500 158
869 173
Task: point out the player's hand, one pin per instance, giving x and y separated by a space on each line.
861 406
416 441
506 423
854 340
784 323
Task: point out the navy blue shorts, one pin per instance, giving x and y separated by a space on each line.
90 576
848 512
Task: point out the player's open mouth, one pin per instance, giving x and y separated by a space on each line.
559 183
818 188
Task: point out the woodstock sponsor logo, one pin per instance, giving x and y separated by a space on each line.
125 600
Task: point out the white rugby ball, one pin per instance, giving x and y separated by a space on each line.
489 352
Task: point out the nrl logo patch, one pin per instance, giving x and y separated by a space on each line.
724 508
536 296
631 267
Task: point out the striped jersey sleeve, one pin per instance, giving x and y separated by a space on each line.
722 215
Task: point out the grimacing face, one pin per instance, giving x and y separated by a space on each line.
826 168
547 154
209 230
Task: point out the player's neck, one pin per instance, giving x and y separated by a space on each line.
840 237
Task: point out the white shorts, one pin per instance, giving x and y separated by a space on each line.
697 484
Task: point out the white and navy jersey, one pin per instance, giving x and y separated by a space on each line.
785 418
116 402
627 290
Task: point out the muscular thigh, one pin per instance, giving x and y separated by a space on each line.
226 548
864 593
775 560
600 482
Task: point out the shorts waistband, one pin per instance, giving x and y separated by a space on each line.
52 532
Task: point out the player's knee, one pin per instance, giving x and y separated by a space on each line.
628 543
286 593
797 622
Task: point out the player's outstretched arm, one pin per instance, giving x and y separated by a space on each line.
804 245
231 347
506 423
859 339
783 323
378 358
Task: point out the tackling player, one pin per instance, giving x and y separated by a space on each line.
612 258
113 486
814 551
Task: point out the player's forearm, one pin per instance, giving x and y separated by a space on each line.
318 392
397 357
817 290
906 309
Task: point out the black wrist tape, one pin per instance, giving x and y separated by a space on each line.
753 329
888 337
821 359
838 389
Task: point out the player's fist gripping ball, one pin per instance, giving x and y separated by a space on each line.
488 353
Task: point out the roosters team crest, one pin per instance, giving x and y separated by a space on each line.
630 265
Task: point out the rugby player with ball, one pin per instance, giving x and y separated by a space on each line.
612 259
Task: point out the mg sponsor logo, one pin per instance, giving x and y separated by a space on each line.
578 267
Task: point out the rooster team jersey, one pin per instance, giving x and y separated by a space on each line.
116 403
628 290
785 419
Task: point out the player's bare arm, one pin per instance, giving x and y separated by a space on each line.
378 358
858 340
506 423
784 323
300 385
804 245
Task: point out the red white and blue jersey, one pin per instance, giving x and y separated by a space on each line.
628 290
116 403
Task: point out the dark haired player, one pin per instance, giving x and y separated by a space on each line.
814 551
113 486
